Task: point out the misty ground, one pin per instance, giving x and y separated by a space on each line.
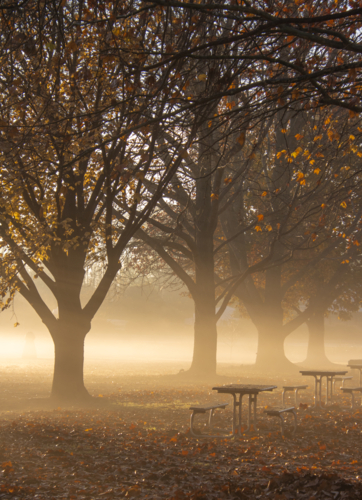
135 441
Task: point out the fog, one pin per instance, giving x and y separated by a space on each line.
139 328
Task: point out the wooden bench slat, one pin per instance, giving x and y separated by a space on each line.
293 387
205 408
277 411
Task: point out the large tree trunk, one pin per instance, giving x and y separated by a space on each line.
205 340
68 380
270 354
316 355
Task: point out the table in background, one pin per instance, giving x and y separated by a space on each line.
356 364
318 376
241 390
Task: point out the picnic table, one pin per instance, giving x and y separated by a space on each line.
237 391
356 364
318 376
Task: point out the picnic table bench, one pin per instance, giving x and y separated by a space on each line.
351 391
203 409
296 389
356 364
279 412
340 379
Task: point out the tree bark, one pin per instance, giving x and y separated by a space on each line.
68 378
270 354
205 339
316 355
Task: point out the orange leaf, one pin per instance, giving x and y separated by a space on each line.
241 138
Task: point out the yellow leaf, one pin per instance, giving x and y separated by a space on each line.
241 138
317 170
269 228
214 196
16 324
344 204
264 193
202 77
296 152
352 137
299 137
227 180
312 162
260 217
323 205
257 228
302 182
300 176
284 130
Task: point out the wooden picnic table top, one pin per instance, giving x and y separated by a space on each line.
243 388
323 373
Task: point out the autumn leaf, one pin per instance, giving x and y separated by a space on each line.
258 228
344 204
297 152
202 77
16 324
241 138
260 217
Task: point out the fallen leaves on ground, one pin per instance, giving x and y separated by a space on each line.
138 445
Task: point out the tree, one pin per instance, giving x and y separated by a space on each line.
304 51
305 171
75 85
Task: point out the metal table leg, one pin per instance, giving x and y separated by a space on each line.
252 408
318 391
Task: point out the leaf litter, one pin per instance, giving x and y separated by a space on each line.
135 443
